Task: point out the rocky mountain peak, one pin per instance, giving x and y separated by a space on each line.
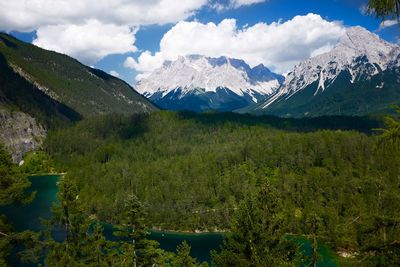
360 52
193 72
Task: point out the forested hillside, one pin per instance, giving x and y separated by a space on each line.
192 170
53 90
53 87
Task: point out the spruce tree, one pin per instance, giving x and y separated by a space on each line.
258 233
13 186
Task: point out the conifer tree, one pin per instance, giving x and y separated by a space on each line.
385 8
258 231
13 186
136 248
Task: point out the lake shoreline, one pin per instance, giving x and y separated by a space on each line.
188 232
47 174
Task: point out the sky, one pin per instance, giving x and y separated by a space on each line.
131 38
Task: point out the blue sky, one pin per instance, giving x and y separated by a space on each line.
146 33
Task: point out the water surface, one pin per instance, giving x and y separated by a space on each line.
29 218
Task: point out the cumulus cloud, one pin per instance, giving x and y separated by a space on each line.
91 29
22 15
146 62
88 42
278 45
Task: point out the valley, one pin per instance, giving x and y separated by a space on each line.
166 159
245 137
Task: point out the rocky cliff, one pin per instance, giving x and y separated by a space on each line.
20 133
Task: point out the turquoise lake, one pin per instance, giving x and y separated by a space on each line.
29 217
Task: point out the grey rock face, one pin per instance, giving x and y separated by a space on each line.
20 133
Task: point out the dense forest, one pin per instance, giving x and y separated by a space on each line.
80 240
192 170
263 180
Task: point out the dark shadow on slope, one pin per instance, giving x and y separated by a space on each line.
8 42
120 126
361 124
17 91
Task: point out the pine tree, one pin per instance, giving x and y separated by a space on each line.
257 237
13 186
136 248
13 183
183 258
84 243
390 135
385 8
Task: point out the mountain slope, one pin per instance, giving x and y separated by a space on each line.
56 85
359 76
40 89
201 83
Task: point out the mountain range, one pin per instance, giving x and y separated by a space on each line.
200 83
41 89
359 76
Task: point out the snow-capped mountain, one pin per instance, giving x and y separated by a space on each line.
339 81
201 83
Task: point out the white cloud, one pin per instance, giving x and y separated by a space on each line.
23 15
88 42
90 29
232 4
387 23
146 61
239 3
364 9
114 73
278 45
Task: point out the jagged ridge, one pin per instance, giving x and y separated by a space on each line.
217 81
358 57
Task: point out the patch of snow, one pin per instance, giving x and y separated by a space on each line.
359 51
195 72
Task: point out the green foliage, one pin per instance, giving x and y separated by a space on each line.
12 182
390 135
84 243
37 162
13 186
135 248
183 258
56 89
385 8
325 182
258 233
214 160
